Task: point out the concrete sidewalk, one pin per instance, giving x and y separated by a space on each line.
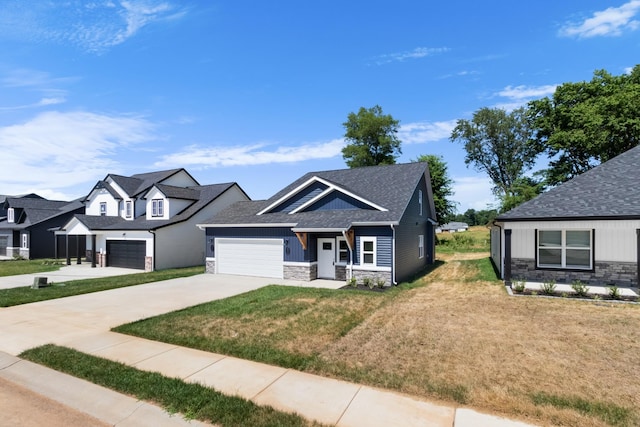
83 322
65 274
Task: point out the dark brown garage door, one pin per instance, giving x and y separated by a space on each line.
126 253
4 241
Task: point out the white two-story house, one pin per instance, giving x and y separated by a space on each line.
148 221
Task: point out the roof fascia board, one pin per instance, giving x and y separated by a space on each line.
247 225
569 218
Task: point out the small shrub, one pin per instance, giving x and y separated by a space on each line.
614 292
548 288
519 285
579 288
367 281
352 282
18 257
380 283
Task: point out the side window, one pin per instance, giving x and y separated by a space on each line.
103 208
368 251
157 207
420 201
10 215
421 246
128 209
343 251
25 241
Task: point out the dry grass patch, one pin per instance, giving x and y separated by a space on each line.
500 353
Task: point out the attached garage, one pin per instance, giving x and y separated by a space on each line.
126 253
250 257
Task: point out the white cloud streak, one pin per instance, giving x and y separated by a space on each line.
417 53
55 150
473 193
423 132
517 96
613 21
255 154
93 26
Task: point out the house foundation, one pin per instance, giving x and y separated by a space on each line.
604 273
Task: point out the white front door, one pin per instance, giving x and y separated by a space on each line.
326 258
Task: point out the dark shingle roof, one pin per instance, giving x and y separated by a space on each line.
174 192
390 187
609 190
204 194
36 210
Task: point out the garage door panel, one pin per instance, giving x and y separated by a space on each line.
250 257
126 253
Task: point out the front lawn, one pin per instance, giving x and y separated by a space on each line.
25 295
23 266
454 335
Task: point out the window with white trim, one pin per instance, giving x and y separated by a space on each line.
368 251
11 215
343 250
570 249
128 209
421 246
420 201
157 207
103 208
25 241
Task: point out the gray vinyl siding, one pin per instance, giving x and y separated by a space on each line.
301 198
384 244
292 248
411 226
337 201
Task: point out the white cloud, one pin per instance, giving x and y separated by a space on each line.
422 132
527 92
473 193
612 21
419 52
94 26
517 96
57 150
255 154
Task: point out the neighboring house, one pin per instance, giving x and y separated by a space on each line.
375 222
28 225
585 229
452 227
148 221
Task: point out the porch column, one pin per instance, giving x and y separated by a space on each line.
507 257
68 255
93 251
78 249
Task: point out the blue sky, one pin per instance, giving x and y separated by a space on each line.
256 92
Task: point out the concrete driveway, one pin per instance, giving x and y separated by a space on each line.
65 274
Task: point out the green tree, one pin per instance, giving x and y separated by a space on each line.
441 186
523 189
497 143
586 123
372 138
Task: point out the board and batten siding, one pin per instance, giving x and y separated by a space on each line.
615 240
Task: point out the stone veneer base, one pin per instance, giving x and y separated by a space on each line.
605 273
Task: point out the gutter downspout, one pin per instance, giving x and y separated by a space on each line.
393 257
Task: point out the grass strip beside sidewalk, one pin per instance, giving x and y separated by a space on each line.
194 401
25 295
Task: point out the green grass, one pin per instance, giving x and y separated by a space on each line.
476 239
23 266
484 268
608 412
25 295
194 401
282 325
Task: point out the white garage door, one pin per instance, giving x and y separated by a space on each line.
250 257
